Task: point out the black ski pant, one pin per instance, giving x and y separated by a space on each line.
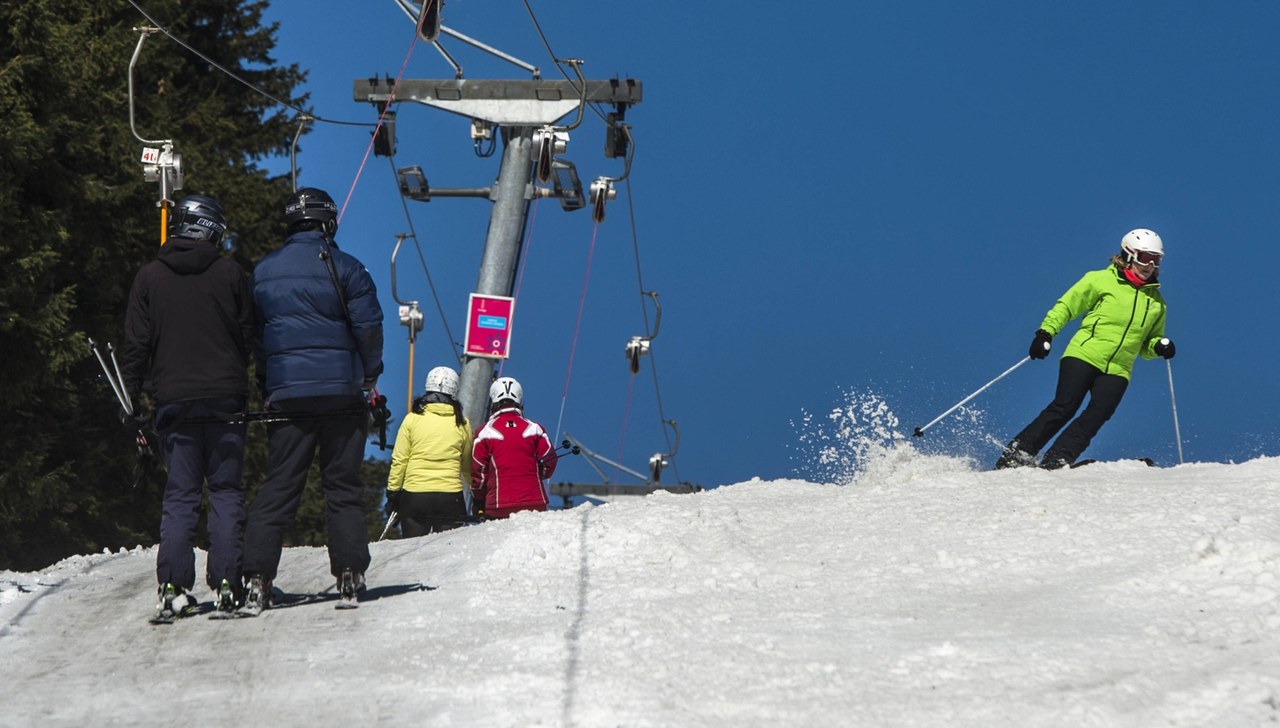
336 427
194 453
423 513
1076 378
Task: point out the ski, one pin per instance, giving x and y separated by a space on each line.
1081 463
248 610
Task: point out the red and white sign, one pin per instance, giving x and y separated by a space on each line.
489 326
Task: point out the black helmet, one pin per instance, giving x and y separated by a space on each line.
310 203
199 217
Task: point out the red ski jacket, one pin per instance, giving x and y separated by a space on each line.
510 459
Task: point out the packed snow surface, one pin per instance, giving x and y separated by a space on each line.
922 592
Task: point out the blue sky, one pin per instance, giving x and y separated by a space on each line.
838 201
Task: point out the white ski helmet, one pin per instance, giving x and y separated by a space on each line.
443 380
1141 240
506 388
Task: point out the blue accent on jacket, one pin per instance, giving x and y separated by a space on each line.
306 348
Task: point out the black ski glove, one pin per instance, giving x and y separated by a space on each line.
393 501
1165 348
134 422
1040 346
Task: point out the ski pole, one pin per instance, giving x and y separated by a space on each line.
920 430
128 401
116 386
122 396
390 520
1177 432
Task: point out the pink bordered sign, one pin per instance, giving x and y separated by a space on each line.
489 326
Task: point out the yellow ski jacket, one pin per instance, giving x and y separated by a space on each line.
432 452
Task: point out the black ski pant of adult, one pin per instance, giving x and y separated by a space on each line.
193 454
337 427
1076 378
423 513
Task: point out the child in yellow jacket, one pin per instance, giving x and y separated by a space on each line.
431 460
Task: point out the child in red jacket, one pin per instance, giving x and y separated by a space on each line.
511 456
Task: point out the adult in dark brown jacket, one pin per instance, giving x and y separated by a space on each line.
189 334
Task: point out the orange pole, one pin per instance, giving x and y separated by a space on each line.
408 406
164 221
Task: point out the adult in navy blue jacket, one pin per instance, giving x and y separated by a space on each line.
320 347
188 337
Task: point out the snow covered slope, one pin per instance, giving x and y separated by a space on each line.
923 593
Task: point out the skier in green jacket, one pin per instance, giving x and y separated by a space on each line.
1124 317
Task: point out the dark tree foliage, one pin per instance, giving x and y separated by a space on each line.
77 220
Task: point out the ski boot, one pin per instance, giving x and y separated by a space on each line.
1015 457
224 602
257 596
1052 462
174 603
350 587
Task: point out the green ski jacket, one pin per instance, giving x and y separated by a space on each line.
1120 322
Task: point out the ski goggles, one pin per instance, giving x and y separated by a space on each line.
1145 257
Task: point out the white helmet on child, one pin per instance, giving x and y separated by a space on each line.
1141 240
506 388
443 380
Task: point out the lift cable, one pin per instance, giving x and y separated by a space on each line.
653 361
577 327
257 90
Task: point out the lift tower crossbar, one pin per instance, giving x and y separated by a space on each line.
532 103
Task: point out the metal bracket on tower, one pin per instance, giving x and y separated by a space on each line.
547 143
590 457
601 191
568 187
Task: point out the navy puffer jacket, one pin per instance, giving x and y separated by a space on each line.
306 348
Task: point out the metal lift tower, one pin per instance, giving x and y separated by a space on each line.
525 113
